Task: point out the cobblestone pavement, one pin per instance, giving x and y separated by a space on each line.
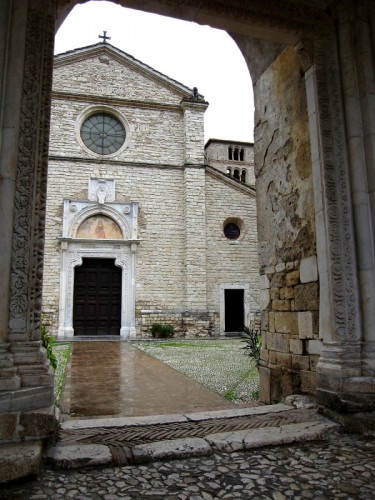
343 467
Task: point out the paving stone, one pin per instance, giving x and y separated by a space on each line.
257 410
122 422
176 448
75 456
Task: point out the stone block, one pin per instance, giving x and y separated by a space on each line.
20 460
306 297
275 293
171 449
227 441
314 347
292 278
264 299
264 320
296 346
281 305
308 382
38 424
271 321
277 342
300 362
286 322
77 456
264 384
283 359
305 325
265 354
272 357
288 293
264 282
280 267
309 269
8 426
313 362
284 434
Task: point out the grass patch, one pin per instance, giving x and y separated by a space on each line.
62 351
220 365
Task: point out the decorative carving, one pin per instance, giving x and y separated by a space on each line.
30 200
304 50
101 190
335 178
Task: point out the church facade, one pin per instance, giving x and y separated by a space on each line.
144 224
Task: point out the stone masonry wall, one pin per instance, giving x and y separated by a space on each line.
285 205
230 261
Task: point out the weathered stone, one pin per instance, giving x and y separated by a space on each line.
281 305
286 434
296 346
292 278
264 282
19 460
313 362
280 267
305 325
277 342
76 456
300 362
308 382
286 322
271 318
309 269
8 424
171 449
307 297
283 359
314 347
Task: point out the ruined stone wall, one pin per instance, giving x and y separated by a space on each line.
286 231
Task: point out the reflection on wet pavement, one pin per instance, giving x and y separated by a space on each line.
117 379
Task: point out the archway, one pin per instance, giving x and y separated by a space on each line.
330 44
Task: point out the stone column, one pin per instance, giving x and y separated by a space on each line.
195 206
26 379
343 218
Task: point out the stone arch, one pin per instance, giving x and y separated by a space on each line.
333 44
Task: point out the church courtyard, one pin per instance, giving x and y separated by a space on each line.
155 377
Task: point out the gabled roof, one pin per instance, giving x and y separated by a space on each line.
101 48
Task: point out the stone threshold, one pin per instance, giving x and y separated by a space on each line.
85 455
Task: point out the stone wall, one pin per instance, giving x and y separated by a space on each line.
286 232
230 261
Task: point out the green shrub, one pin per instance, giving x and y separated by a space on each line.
253 343
47 342
159 330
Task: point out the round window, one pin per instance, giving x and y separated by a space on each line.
102 133
232 231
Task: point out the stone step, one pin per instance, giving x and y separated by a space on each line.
83 455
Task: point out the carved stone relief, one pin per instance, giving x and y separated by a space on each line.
28 233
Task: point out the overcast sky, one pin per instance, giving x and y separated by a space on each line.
197 56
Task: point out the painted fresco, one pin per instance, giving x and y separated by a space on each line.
99 227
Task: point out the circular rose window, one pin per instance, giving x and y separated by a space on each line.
102 133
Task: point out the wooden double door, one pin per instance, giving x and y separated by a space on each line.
97 298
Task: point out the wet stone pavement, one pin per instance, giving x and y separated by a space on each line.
342 467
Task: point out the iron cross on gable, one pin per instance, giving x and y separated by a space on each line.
104 36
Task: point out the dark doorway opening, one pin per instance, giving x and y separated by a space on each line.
97 298
234 310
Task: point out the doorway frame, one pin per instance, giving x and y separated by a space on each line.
246 302
123 252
